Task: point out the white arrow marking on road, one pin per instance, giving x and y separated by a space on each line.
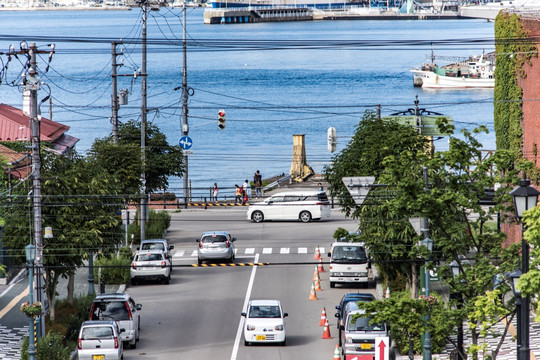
302 250
284 250
250 251
244 308
267 250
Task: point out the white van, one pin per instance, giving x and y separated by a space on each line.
349 263
359 335
295 205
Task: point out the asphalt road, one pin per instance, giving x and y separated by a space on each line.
198 314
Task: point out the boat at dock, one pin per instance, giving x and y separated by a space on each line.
472 72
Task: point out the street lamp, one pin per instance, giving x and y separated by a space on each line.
525 198
454 266
428 243
30 252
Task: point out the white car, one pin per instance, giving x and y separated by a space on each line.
100 340
265 322
305 205
150 265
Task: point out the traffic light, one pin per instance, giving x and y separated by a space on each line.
221 119
332 139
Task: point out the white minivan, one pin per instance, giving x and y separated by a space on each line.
305 205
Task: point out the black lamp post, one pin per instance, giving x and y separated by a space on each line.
454 266
525 198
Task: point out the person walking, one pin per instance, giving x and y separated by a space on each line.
321 187
216 192
238 194
257 180
245 187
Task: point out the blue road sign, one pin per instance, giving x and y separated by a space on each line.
185 142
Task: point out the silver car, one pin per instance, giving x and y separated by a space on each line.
216 245
100 340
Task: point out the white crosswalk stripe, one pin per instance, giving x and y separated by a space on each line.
267 251
302 250
183 253
194 253
250 251
179 253
284 250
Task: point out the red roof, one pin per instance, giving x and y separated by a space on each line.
15 126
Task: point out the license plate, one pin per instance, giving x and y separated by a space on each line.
98 357
260 337
365 346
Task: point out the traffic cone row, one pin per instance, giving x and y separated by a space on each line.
323 317
326 332
312 294
336 353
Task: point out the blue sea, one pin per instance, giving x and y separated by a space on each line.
278 87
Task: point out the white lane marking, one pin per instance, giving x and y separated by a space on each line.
267 250
194 253
302 250
284 250
250 251
244 308
179 253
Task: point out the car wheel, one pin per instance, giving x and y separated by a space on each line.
305 216
134 345
166 281
257 216
247 343
332 284
133 282
284 342
199 261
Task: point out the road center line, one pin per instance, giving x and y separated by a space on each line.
244 308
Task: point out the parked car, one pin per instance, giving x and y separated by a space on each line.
265 322
298 205
215 245
100 340
150 265
119 307
349 303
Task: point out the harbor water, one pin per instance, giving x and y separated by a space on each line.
272 79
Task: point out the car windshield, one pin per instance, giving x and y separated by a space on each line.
358 323
153 246
352 254
263 311
149 257
213 238
95 332
110 310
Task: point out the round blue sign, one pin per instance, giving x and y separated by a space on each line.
185 142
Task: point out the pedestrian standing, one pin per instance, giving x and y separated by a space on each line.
245 187
257 180
238 194
216 192
321 187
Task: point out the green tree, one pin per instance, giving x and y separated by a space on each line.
80 203
123 159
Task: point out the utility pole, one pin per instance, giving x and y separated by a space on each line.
114 98
185 127
144 5
428 243
32 85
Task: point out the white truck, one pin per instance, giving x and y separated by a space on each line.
360 335
349 263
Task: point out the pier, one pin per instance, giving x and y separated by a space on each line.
253 15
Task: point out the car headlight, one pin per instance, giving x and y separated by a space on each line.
348 340
279 327
250 327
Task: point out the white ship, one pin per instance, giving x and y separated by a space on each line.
474 72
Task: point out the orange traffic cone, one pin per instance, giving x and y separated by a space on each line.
318 284
320 269
317 253
315 274
336 353
312 294
326 332
323 317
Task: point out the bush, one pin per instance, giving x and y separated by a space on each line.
114 269
49 348
158 222
163 196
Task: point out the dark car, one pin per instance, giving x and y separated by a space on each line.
341 308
